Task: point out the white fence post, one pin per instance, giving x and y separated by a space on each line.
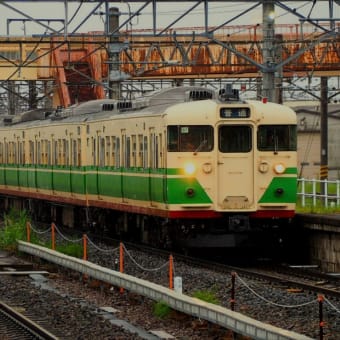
313 194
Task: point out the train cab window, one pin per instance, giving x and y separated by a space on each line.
234 138
190 138
277 138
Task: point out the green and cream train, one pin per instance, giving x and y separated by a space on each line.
183 166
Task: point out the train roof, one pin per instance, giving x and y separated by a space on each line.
153 103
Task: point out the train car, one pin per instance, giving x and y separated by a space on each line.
183 167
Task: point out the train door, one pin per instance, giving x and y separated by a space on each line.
235 167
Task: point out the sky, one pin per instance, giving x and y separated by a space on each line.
219 12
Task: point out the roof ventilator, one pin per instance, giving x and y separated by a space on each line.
195 95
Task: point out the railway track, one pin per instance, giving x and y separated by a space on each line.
217 275
312 281
16 326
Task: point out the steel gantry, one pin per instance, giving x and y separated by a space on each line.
62 62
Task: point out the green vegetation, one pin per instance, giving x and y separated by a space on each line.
161 310
71 249
15 229
207 296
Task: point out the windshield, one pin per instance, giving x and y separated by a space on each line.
190 138
277 138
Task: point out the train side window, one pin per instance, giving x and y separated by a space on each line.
20 158
55 152
15 151
74 152
59 148
140 151
113 151
117 153
9 152
101 151
1 152
160 151
48 153
108 151
145 152
79 163
123 151
66 152
153 148
235 138
6 151
38 146
94 153
156 152
134 151
128 152
173 139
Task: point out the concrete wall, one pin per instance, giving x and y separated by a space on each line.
321 239
325 251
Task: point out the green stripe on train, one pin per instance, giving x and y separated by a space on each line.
133 183
289 194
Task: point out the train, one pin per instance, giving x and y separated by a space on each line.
183 167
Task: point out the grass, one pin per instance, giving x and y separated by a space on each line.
161 310
14 229
207 296
317 188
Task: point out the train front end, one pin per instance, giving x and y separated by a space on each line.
237 181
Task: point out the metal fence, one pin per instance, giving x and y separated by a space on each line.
313 192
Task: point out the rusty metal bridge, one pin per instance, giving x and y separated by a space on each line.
62 68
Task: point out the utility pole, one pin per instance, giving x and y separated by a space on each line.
114 50
268 74
324 129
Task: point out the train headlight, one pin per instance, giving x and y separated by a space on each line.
189 168
279 168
